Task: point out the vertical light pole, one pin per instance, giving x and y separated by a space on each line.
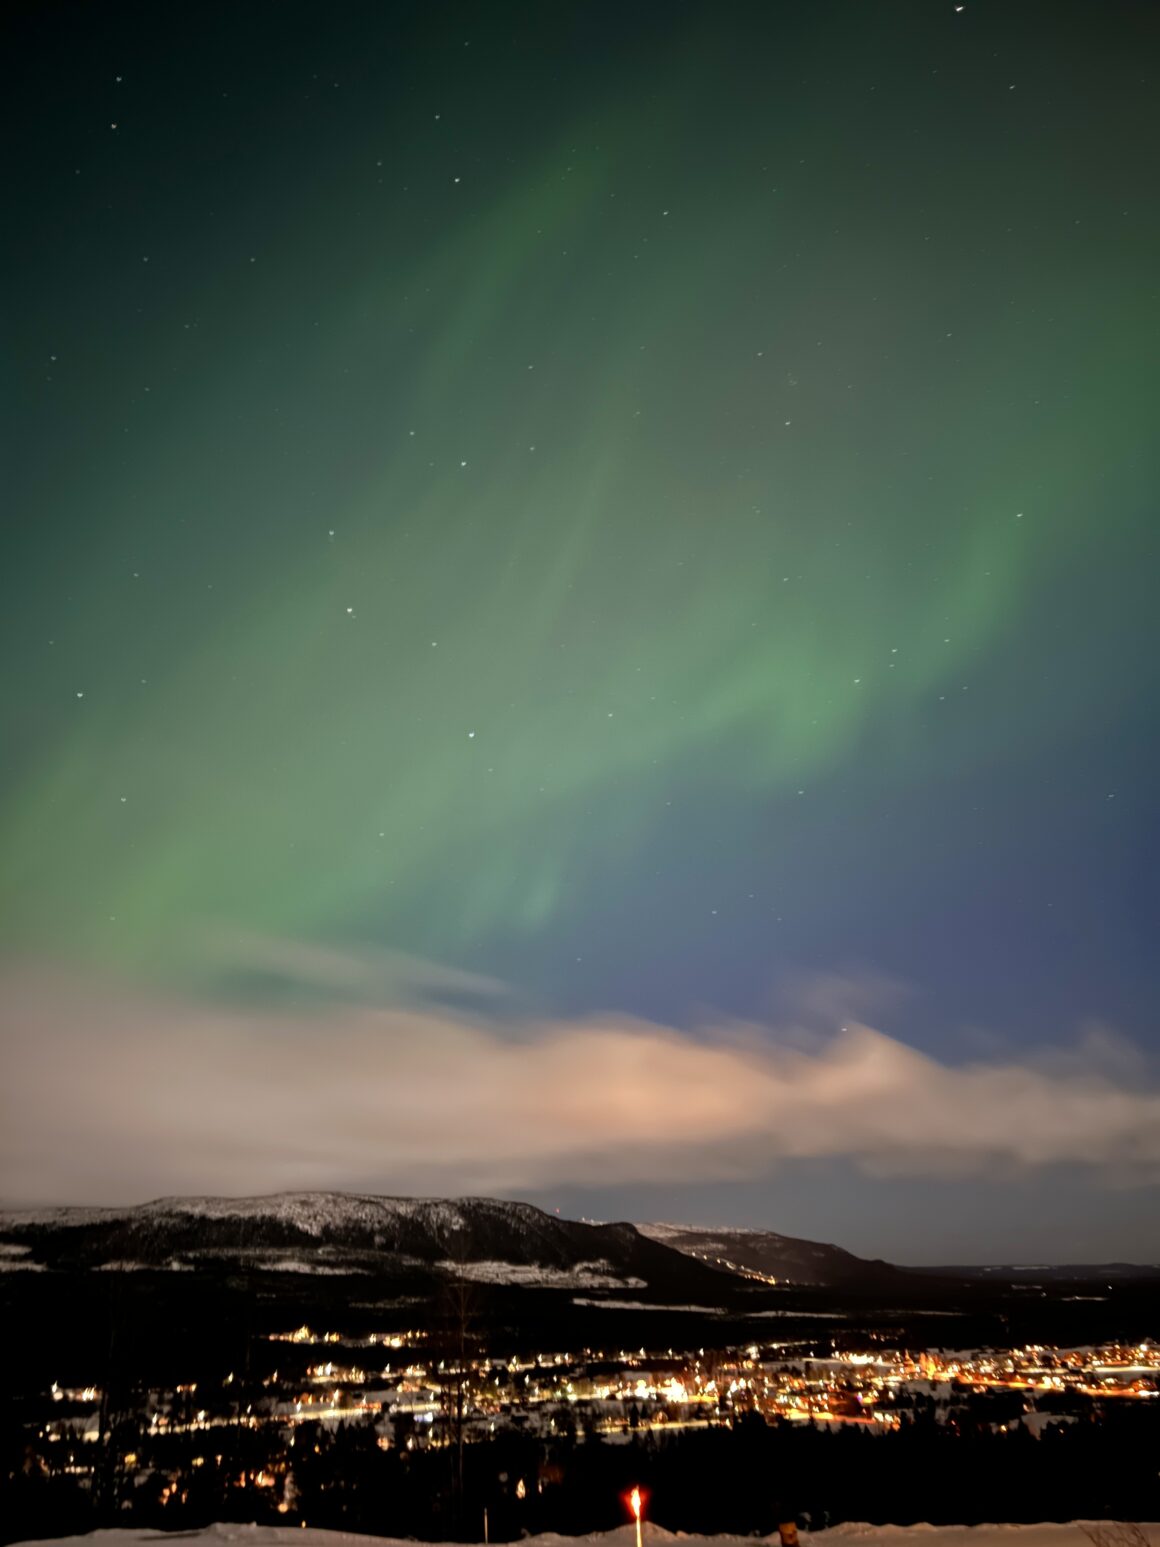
636 1504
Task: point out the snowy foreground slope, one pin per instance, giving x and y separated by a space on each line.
1069 1535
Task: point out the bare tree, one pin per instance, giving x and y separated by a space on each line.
454 1344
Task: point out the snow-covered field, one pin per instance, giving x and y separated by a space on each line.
584 1275
641 1305
14 1259
851 1535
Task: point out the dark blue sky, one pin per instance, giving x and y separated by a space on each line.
564 563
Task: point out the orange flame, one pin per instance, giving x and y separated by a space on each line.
634 1503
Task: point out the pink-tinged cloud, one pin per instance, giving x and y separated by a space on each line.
109 1097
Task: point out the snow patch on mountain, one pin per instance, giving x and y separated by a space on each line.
531 1275
640 1305
660 1230
15 1258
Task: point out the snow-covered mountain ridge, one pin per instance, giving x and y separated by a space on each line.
491 1240
312 1213
325 1232
765 1255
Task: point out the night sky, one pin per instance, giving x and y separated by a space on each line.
562 563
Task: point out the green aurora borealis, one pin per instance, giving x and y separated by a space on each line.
638 506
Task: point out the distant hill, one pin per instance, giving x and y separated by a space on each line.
485 1239
772 1258
488 1240
1050 1273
